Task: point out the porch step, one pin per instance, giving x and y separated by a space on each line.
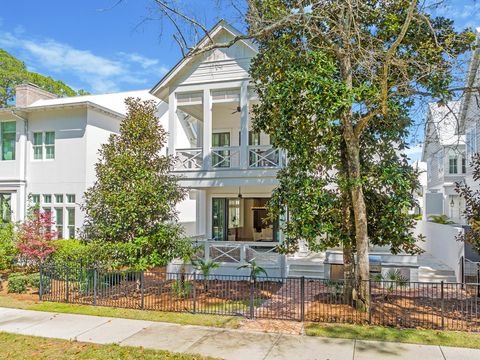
313 270
427 274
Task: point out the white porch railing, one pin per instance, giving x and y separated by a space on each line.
188 159
226 157
229 252
264 156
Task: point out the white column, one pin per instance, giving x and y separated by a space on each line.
244 125
207 129
172 123
201 213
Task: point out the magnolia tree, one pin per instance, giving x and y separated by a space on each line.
35 238
132 203
472 206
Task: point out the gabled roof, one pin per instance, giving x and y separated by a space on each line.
443 126
221 25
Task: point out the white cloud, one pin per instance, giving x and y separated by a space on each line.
95 73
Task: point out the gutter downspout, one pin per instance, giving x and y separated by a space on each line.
25 129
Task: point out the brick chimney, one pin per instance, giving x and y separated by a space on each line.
26 94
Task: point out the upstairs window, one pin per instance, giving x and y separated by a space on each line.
44 145
452 164
7 139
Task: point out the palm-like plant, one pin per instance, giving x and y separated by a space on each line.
440 219
392 279
255 270
205 267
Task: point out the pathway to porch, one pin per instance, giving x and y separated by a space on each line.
221 343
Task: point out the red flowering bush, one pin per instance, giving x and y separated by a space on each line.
35 238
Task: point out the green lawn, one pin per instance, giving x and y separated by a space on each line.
412 336
30 347
171 317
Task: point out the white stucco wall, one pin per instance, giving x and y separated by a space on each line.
441 242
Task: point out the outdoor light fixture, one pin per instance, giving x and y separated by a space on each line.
452 203
239 193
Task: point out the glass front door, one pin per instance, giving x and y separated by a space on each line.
242 219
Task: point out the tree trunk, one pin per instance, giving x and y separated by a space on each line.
360 213
347 242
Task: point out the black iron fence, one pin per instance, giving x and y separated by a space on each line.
452 306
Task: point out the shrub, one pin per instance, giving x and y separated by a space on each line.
17 283
34 280
8 251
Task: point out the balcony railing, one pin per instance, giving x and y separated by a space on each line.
226 157
229 157
264 156
189 159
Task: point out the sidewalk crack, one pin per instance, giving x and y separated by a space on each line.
441 350
273 345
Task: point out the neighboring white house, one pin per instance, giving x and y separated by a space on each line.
48 149
444 153
470 114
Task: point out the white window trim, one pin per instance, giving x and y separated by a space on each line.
44 146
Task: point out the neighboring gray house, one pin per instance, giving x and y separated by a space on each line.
444 153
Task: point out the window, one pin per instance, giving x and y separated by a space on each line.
71 198
35 199
221 158
5 207
59 222
464 164
50 145
59 198
47 199
7 139
38 146
452 164
71 223
44 145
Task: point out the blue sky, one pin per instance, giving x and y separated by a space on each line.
100 47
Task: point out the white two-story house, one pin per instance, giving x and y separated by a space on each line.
48 150
229 169
444 153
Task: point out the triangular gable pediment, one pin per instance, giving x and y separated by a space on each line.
219 64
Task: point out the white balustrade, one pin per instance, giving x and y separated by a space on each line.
189 159
226 157
264 156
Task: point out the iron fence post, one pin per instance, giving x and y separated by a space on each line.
302 299
67 290
370 302
142 289
442 304
40 288
252 299
95 286
194 292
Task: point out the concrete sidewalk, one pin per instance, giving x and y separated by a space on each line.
226 344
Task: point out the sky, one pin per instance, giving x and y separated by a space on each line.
119 45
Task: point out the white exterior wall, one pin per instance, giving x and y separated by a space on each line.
12 172
441 242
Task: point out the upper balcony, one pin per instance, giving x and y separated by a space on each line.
210 135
